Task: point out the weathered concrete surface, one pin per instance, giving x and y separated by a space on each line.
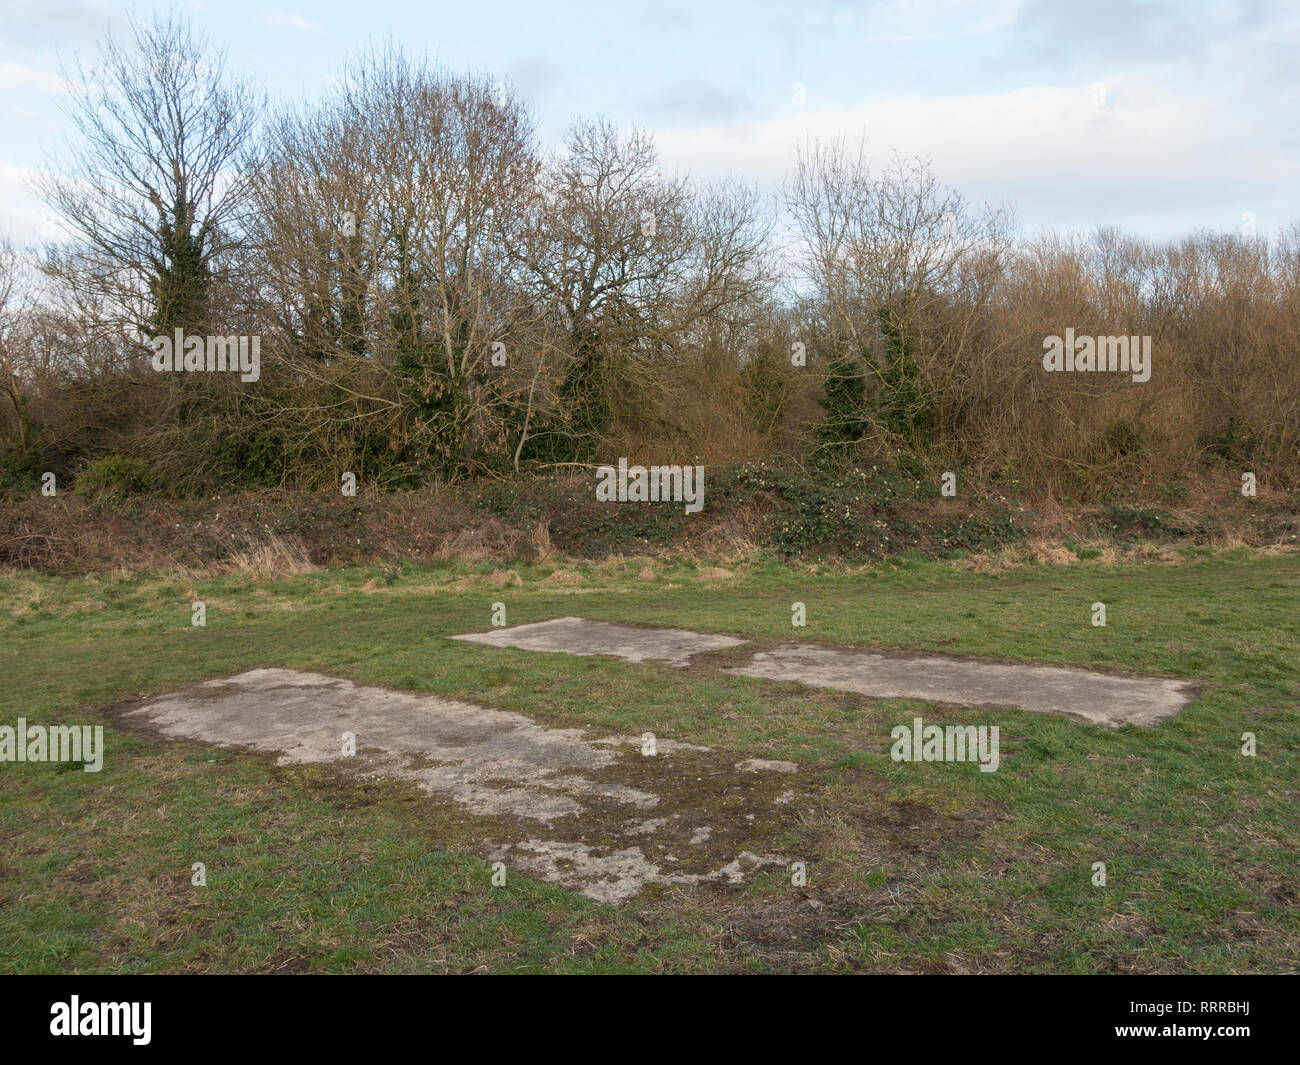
1101 698
766 765
618 876
555 792
580 636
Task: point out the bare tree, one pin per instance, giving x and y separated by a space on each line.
386 219
151 194
15 420
904 268
639 266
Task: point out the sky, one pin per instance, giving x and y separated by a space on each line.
1161 118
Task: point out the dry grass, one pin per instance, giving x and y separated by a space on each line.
726 541
1052 554
564 577
486 540
504 578
28 598
540 542
276 556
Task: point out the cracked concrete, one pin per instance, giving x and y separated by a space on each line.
619 876
1102 698
761 765
580 812
579 636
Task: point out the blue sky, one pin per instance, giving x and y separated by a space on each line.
1195 125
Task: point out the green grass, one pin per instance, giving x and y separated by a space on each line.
911 867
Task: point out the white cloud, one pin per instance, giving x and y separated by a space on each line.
1045 150
286 20
43 25
23 216
906 21
18 77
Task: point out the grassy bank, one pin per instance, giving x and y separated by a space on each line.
871 514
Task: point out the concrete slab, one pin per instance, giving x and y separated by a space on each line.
554 791
1101 698
580 636
766 765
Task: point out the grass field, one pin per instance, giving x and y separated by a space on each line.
930 867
